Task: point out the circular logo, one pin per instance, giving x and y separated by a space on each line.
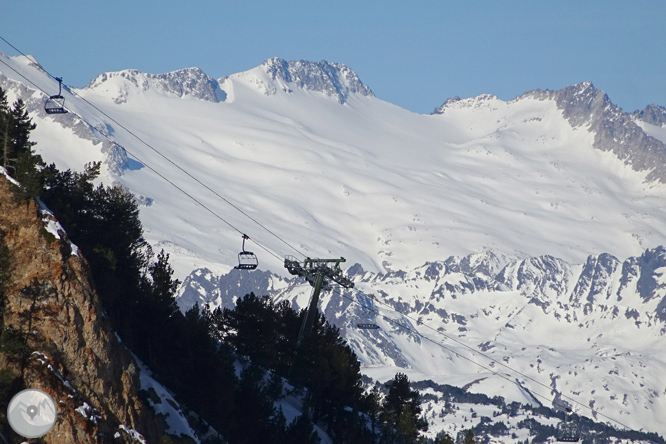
32 413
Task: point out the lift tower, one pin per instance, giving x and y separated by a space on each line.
319 273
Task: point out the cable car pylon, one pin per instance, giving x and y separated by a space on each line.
318 272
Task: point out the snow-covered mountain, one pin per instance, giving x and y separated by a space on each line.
530 230
579 335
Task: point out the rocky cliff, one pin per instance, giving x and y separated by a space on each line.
72 352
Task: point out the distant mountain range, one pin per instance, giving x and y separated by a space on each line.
524 236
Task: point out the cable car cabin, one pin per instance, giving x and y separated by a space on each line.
367 326
568 432
247 260
55 105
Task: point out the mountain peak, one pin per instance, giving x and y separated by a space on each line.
187 82
652 114
333 79
480 101
584 105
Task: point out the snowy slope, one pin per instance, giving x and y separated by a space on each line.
365 179
306 150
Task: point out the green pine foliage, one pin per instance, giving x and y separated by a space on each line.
6 129
401 410
327 368
444 438
16 153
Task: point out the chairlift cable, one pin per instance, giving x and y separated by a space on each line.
147 165
183 170
272 253
474 351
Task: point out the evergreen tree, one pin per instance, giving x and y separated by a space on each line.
5 131
24 165
401 408
444 438
266 333
406 425
469 437
158 311
332 373
301 431
256 417
251 328
373 407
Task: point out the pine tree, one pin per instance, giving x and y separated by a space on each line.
24 165
444 438
373 408
5 131
406 426
402 400
469 437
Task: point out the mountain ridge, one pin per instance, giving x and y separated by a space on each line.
571 327
332 79
583 105
398 192
519 163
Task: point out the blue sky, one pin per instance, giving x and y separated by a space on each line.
414 54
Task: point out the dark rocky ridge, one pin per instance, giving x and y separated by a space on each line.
192 82
602 280
332 79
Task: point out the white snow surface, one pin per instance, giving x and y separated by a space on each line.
366 180
658 132
391 190
166 405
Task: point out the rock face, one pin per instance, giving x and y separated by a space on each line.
333 79
189 82
652 114
73 353
614 129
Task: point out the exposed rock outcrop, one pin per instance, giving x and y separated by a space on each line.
614 130
652 114
73 353
188 82
333 79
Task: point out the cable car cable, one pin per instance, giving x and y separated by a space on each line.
412 329
295 249
138 159
74 93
